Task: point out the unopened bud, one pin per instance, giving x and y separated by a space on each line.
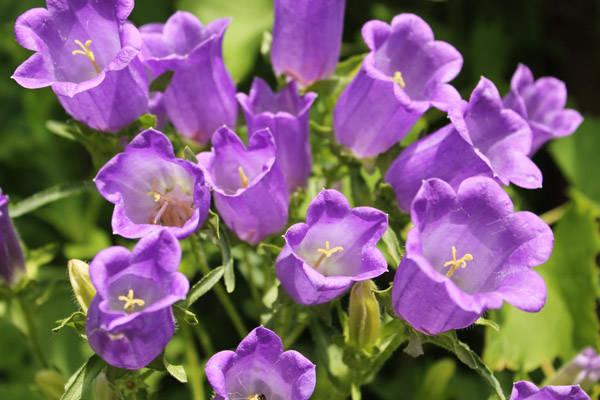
79 275
51 383
365 317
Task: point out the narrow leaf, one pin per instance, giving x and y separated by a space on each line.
48 196
205 284
176 371
80 382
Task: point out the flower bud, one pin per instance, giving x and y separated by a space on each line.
365 317
51 383
12 260
79 275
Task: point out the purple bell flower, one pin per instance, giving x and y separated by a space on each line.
542 103
259 369
307 36
153 190
524 390
468 252
250 191
286 114
88 53
405 73
336 247
130 320
12 260
201 95
483 139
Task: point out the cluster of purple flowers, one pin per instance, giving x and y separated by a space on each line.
468 250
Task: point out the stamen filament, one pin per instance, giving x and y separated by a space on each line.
243 177
455 263
86 52
399 79
327 252
131 302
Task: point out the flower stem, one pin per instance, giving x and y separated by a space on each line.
230 309
554 215
196 374
31 331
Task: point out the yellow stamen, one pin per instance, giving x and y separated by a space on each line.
243 177
86 52
399 79
455 263
131 302
327 252
257 397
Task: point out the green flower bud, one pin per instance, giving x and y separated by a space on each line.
50 383
365 317
79 275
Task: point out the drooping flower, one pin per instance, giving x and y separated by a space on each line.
335 248
250 191
286 114
524 390
483 139
405 73
259 369
542 103
307 36
468 252
153 190
201 95
12 260
130 320
87 52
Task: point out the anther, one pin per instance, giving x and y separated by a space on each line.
86 51
455 263
243 177
327 252
131 302
399 79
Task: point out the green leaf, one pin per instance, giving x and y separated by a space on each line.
568 321
48 196
75 321
577 156
249 20
189 155
79 384
176 371
488 322
205 284
450 342
182 313
224 243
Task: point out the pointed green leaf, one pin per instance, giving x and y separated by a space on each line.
80 383
205 284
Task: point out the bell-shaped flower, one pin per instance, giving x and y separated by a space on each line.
201 95
468 252
87 52
259 369
250 191
130 320
153 190
542 103
336 247
524 390
12 260
307 37
286 114
484 139
405 73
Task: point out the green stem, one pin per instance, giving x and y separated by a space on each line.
196 374
205 340
554 215
31 332
230 309
295 334
251 279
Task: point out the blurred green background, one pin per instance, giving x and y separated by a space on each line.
553 37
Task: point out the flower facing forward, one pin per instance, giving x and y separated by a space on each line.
307 36
259 369
153 190
404 74
484 138
250 191
12 260
201 95
336 247
468 252
286 114
528 391
542 103
130 320
88 53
